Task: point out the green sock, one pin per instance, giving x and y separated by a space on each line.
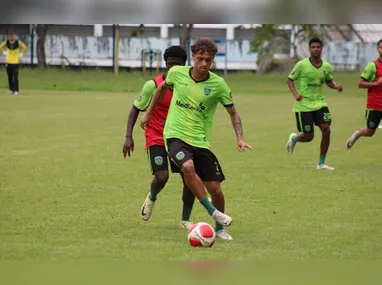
186 213
153 196
207 204
218 227
322 159
356 135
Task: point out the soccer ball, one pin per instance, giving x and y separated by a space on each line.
201 235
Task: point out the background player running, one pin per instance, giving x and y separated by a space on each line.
310 106
371 79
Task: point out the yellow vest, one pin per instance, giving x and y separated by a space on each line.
13 50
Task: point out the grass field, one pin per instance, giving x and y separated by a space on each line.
67 193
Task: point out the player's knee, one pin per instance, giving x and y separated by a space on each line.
215 190
161 178
308 137
325 131
218 194
188 168
370 132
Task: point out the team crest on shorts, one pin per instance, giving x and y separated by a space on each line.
207 90
158 160
307 128
180 155
372 125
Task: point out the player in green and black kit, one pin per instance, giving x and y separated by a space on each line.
197 91
310 107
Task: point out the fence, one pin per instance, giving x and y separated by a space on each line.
98 51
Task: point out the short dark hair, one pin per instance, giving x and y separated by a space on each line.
203 45
175 51
315 40
379 42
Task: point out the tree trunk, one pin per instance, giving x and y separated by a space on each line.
41 35
186 35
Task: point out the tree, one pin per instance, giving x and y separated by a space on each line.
41 30
186 35
140 30
184 38
274 38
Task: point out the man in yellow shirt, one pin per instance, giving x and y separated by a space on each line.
11 48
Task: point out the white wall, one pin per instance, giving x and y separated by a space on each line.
98 51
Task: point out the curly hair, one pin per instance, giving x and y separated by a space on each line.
203 45
175 51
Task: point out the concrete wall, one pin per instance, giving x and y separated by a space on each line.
79 46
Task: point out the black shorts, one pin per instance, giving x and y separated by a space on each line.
206 164
305 120
373 118
158 160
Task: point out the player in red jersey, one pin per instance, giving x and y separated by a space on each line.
156 152
371 79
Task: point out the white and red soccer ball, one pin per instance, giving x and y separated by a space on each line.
201 235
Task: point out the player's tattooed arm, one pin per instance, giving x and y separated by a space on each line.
238 127
236 122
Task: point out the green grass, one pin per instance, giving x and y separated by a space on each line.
105 81
67 193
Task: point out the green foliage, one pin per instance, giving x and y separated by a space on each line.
140 30
269 38
263 35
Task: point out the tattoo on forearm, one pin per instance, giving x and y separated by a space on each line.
236 123
332 84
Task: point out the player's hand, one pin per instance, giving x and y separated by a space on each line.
339 88
379 81
128 146
21 54
242 145
145 120
298 97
